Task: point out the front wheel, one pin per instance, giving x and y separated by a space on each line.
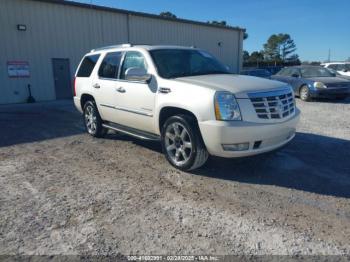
182 143
304 93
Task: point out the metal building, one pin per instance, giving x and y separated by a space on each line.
42 42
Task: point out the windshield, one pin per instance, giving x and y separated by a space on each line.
172 63
316 72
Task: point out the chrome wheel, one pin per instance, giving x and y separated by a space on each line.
178 143
304 93
90 119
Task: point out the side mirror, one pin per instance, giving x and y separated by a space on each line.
295 75
137 74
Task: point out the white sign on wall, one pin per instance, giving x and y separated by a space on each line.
17 69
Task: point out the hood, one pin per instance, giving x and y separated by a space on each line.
329 80
237 84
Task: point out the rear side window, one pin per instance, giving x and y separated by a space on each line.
87 65
110 65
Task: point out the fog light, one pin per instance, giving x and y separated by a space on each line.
236 147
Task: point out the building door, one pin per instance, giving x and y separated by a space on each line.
62 78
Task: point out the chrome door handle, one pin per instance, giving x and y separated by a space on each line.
96 86
121 90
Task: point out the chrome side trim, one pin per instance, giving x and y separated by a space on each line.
128 110
278 92
107 106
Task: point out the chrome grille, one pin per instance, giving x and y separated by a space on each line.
273 105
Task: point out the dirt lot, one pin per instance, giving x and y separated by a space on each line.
63 192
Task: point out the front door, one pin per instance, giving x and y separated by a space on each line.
62 78
135 100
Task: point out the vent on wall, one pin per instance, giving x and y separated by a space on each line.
21 27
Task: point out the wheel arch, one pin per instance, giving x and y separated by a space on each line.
300 86
84 98
168 111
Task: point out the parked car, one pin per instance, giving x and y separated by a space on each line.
339 75
186 99
273 69
314 81
342 68
256 72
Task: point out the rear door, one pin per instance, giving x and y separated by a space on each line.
105 84
135 99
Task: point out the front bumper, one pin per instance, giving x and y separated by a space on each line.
272 135
330 92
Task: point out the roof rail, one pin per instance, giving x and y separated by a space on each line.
110 47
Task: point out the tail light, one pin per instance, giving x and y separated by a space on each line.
74 86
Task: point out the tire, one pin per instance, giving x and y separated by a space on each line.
92 120
304 93
182 143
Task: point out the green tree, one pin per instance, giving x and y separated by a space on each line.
245 56
245 35
256 57
168 14
293 58
280 47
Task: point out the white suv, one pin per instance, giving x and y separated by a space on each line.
343 68
185 98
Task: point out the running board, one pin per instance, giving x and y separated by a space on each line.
131 131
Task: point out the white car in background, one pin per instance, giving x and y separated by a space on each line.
343 68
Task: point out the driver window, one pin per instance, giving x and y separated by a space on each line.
294 72
132 59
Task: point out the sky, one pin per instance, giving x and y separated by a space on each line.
315 25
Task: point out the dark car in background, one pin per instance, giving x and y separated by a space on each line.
314 81
256 72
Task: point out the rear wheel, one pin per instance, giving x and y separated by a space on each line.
304 93
92 120
182 143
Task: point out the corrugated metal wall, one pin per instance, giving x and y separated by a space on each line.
64 31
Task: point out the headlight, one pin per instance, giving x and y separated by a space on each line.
226 107
319 85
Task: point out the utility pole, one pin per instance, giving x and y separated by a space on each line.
329 55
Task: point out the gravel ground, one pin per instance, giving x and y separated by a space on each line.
64 192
